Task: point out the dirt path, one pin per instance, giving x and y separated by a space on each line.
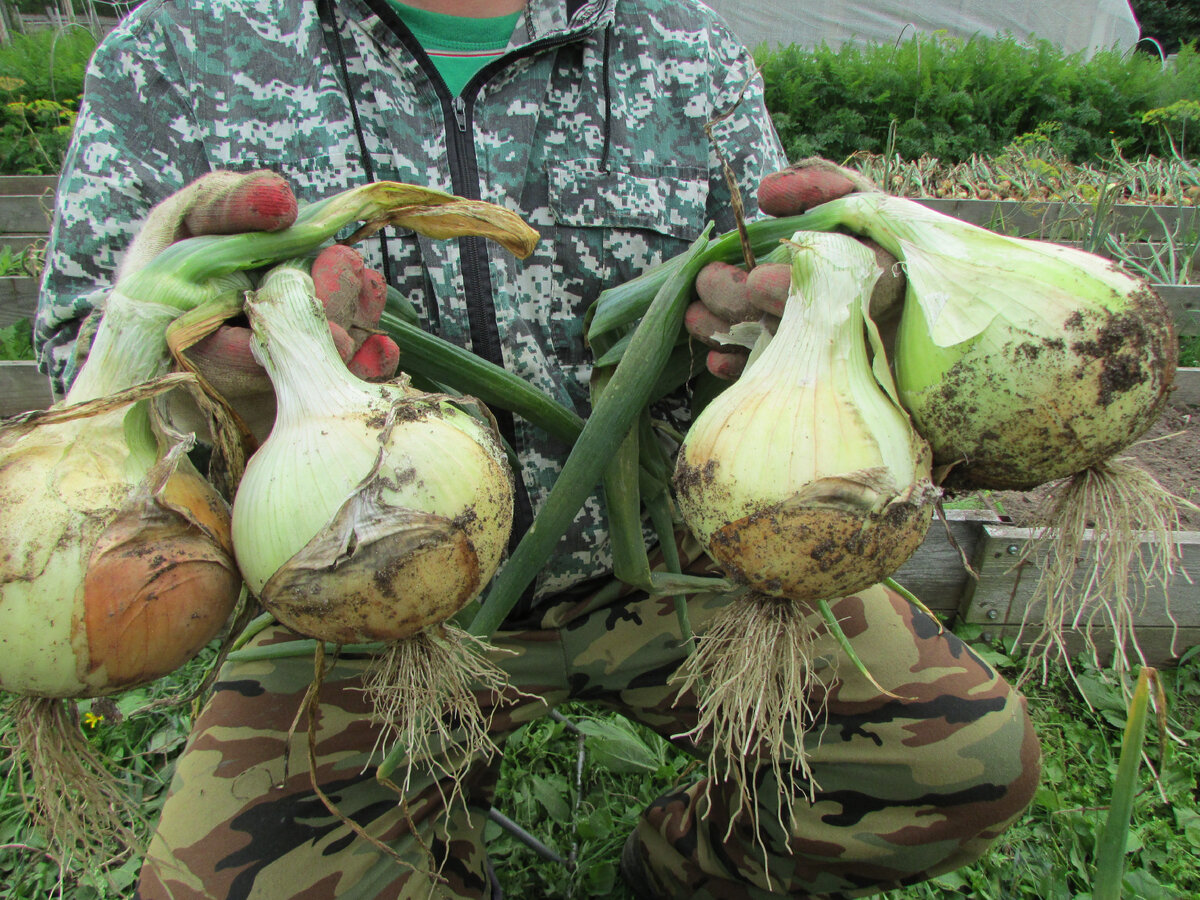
1170 451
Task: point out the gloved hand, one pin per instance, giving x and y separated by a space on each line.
729 294
353 296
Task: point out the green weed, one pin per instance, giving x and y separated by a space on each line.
24 263
48 63
16 341
34 136
584 812
140 733
1189 351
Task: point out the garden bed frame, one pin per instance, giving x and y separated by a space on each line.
936 573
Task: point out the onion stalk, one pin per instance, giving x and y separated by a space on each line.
373 513
806 482
1022 363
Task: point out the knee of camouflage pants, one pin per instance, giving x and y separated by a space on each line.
241 820
905 787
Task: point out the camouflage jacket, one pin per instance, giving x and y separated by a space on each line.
591 127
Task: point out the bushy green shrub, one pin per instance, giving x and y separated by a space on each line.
41 79
48 62
34 136
950 98
1171 23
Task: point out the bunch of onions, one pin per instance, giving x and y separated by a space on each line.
1024 362
371 514
116 557
806 482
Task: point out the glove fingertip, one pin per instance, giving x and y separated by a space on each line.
371 299
342 341
725 365
377 359
768 287
794 190
337 274
272 205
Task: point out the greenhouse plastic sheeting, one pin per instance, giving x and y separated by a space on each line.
1070 24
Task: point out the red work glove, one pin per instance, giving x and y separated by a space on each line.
729 294
353 297
229 203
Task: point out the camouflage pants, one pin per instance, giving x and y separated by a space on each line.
908 788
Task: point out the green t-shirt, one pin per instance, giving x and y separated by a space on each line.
459 46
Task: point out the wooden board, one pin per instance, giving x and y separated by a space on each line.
16 243
1158 646
1005 587
1187 386
937 573
1070 221
18 299
1184 302
28 184
22 388
24 214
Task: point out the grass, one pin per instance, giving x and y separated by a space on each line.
45 64
584 812
1048 854
141 744
951 98
1189 351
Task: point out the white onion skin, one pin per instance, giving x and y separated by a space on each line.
441 502
372 510
805 479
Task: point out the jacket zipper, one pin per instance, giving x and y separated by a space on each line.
464 181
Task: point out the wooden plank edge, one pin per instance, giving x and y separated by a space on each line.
18 299
22 388
1159 646
1051 219
22 214
27 184
1186 387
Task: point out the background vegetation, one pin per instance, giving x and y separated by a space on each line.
950 99
1169 22
582 809
931 96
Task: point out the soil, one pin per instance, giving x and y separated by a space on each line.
1170 451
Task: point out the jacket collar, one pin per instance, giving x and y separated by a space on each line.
544 20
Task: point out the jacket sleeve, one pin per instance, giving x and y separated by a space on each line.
135 142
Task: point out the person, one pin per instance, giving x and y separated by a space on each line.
588 119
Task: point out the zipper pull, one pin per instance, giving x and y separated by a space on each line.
460 113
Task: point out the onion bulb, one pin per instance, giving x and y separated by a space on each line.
805 479
1025 362
1020 361
371 513
806 482
117 566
